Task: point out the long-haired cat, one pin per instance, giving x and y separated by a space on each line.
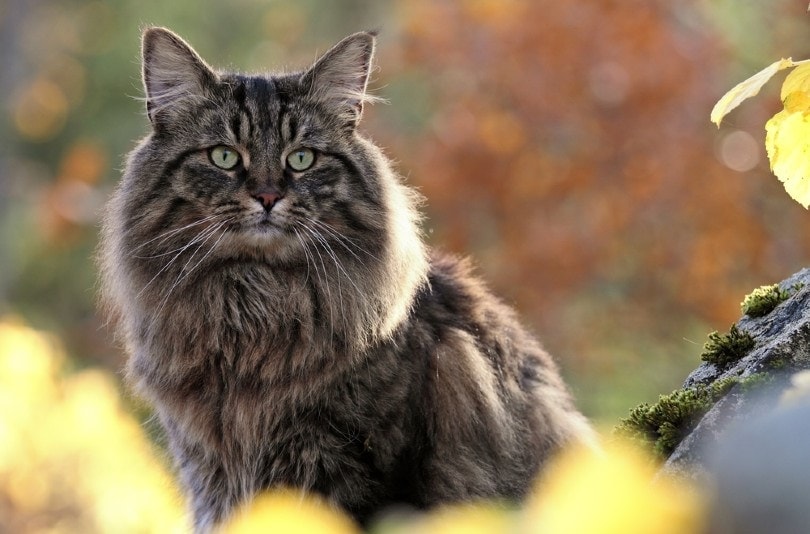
282 314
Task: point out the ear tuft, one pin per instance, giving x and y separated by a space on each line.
172 71
340 77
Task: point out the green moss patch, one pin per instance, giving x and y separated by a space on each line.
724 349
756 381
763 300
664 424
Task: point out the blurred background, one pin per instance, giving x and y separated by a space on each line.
565 146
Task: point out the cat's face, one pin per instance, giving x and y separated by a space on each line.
255 203
254 165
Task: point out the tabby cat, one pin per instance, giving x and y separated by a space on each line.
282 314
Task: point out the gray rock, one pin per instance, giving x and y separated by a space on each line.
760 475
782 347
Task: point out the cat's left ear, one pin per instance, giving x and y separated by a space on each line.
340 77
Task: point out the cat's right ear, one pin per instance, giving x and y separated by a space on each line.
173 72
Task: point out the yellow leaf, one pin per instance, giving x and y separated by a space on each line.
787 141
475 518
623 495
748 88
71 458
797 80
290 512
797 101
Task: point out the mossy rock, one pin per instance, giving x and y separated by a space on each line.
663 425
744 370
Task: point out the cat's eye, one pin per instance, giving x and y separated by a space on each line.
301 159
224 157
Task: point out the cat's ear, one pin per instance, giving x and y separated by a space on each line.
340 77
172 71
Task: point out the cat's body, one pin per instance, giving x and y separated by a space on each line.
284 317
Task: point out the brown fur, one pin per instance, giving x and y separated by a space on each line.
313 343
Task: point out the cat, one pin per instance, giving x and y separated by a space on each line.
264 266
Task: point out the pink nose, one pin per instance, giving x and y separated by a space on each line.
267 198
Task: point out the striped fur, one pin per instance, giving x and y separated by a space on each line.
318 345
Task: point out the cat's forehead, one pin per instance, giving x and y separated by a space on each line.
253 92
265 101
263 89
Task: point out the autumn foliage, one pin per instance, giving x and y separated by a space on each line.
572 154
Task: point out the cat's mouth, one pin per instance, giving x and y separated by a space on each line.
267 226
263 219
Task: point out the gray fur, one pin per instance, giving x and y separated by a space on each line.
317 345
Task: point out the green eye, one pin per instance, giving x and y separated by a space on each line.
224 157
301 159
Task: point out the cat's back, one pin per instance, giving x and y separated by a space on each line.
490 389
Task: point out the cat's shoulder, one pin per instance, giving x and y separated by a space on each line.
454 286
452 273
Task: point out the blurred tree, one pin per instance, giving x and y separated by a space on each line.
14 11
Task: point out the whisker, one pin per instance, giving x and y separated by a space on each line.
210 250
338 264
304 247
168 234
202 236
343 240
329 251
326 285
185 269
185 272
304 241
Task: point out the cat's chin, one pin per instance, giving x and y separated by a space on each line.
265 241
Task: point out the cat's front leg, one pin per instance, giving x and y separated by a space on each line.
203 473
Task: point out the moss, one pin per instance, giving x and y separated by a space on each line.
663 425
763 300
780 361
723 349
756 381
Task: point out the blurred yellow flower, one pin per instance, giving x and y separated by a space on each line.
468 519
71 458
472 518
290 512
615 491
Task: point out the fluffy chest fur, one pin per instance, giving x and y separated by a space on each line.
258 389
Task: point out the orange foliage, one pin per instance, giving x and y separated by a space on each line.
571 151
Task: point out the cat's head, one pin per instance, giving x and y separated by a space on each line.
268 169
266 161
